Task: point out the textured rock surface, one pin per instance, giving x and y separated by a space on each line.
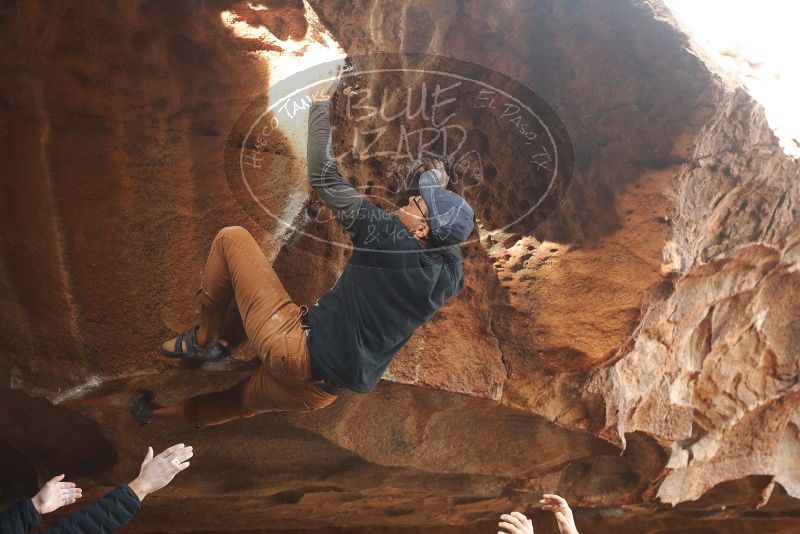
637 350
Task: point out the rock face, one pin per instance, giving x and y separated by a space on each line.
637 352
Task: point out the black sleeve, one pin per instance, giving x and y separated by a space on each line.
337 193
19 519
107 515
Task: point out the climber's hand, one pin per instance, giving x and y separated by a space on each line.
559 507
159 471
55 494
515 523
436 166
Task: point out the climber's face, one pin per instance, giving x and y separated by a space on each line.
413 216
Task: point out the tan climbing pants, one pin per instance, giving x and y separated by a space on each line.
237 268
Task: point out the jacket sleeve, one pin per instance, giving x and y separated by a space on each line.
338 194
107 515
19 519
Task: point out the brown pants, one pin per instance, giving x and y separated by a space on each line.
237 268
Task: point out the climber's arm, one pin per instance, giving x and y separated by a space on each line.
323 174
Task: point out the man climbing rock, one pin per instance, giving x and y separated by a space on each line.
404 266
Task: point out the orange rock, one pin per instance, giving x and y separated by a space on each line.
637 349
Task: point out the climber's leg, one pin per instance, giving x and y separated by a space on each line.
282 383
175 412
210 321
212 313
209 409
237 268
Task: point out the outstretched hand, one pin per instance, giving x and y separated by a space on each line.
56 494
515 523
558 505
159 471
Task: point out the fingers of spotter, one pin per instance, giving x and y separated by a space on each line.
554 499
514 520
515 523
520 516
180 457
170 450
70 495
555 504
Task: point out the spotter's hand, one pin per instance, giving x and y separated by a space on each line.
157 472
515 523
558 505
55 494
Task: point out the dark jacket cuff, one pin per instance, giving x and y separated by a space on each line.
29 513
129 497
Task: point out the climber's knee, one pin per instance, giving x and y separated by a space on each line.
234 232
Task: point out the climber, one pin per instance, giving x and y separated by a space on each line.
404 266
107 515
517 523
